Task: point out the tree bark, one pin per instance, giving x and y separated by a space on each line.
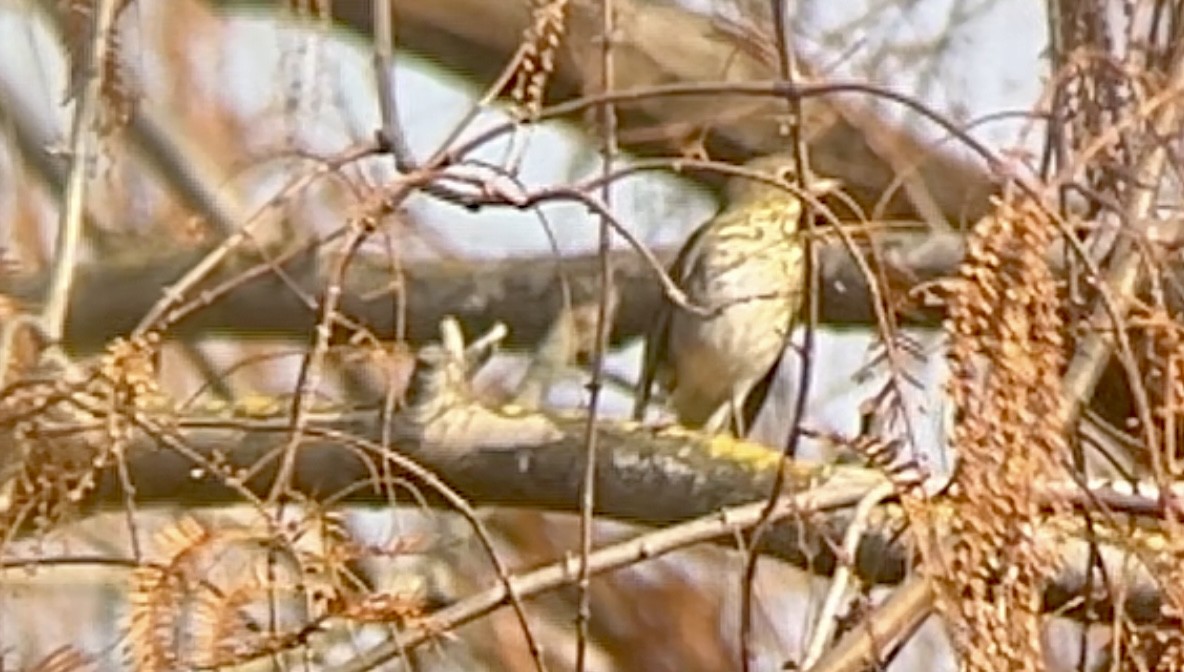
647 476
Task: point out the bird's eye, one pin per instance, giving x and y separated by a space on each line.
786 174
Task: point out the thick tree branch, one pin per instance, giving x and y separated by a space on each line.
524 293
514 457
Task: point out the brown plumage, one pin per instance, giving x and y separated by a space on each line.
745 266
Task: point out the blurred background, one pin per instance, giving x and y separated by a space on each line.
259 95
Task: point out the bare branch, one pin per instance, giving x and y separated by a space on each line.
659 42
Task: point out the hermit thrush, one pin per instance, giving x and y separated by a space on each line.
745 266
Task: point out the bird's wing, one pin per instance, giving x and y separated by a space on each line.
657 338
655 346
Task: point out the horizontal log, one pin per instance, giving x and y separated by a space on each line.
110 297
647 476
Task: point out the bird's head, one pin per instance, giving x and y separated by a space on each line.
783 169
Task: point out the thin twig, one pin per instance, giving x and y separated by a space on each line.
1126 274
608 120
785 65
524 201
82 144
828 616
129 502
461 506
310 370
914 600
188 172
209 297
644 547
897 618
440 157
199 271
557 348
392 136
765 88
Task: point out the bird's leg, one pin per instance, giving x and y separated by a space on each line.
736 411
720 420
729 417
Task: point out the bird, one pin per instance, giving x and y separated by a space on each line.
745 267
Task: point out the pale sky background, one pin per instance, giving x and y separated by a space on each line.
992 63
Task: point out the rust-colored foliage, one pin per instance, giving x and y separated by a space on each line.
1006 357
47 474
117 94
540 46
